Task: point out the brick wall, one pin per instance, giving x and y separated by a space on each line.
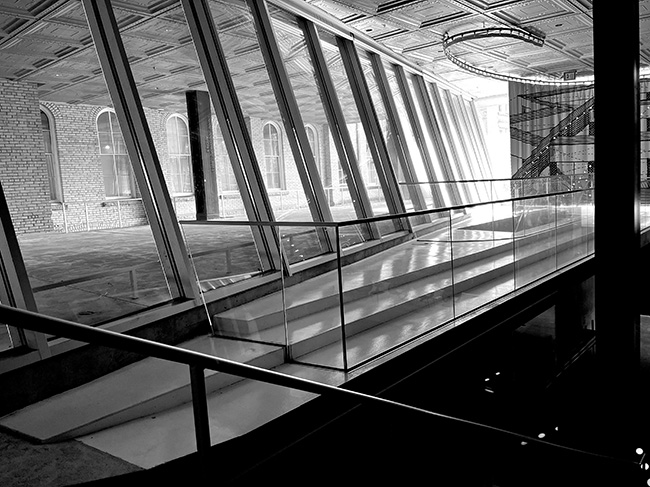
86 206
23 169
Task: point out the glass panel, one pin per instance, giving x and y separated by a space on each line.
355 129
574 230
221 254
536 238
89 260
482 246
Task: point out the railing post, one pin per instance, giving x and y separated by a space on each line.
200 408
344 344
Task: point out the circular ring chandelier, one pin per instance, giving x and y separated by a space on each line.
514 33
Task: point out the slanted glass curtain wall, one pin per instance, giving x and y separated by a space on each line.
211 110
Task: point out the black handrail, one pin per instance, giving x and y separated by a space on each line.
198 362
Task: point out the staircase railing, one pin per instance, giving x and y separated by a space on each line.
198 362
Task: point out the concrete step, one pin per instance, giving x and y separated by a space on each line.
138 390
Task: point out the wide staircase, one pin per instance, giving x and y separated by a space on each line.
143 414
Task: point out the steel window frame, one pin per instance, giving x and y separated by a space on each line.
418 133
15 288
292 119
404 159
141 149
445 123
236 136
435 133
338 128
372 129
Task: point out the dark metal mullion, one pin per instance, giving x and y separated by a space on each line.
418 133
338 127
233 129
372 129
140 147
393 119
293 123
445 124
436 136
15 288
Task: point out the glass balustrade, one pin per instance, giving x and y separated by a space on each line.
366 300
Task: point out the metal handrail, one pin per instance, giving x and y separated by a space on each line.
199 362
374 219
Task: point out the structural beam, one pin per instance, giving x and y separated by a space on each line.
204 171
617 238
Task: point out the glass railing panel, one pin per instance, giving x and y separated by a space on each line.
535 227
482 251
392 297
574 229
221 254
302 243
314 308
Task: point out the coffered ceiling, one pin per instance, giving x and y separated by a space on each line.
48 42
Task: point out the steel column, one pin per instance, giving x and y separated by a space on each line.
617 201
199 115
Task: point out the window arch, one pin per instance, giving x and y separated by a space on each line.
228 181
51 156
273 169
178 148
321 163
116 166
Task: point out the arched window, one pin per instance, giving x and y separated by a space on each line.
228 181
51 156
178 147
116 166
273 164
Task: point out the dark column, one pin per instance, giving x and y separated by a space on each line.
199 118
616 61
